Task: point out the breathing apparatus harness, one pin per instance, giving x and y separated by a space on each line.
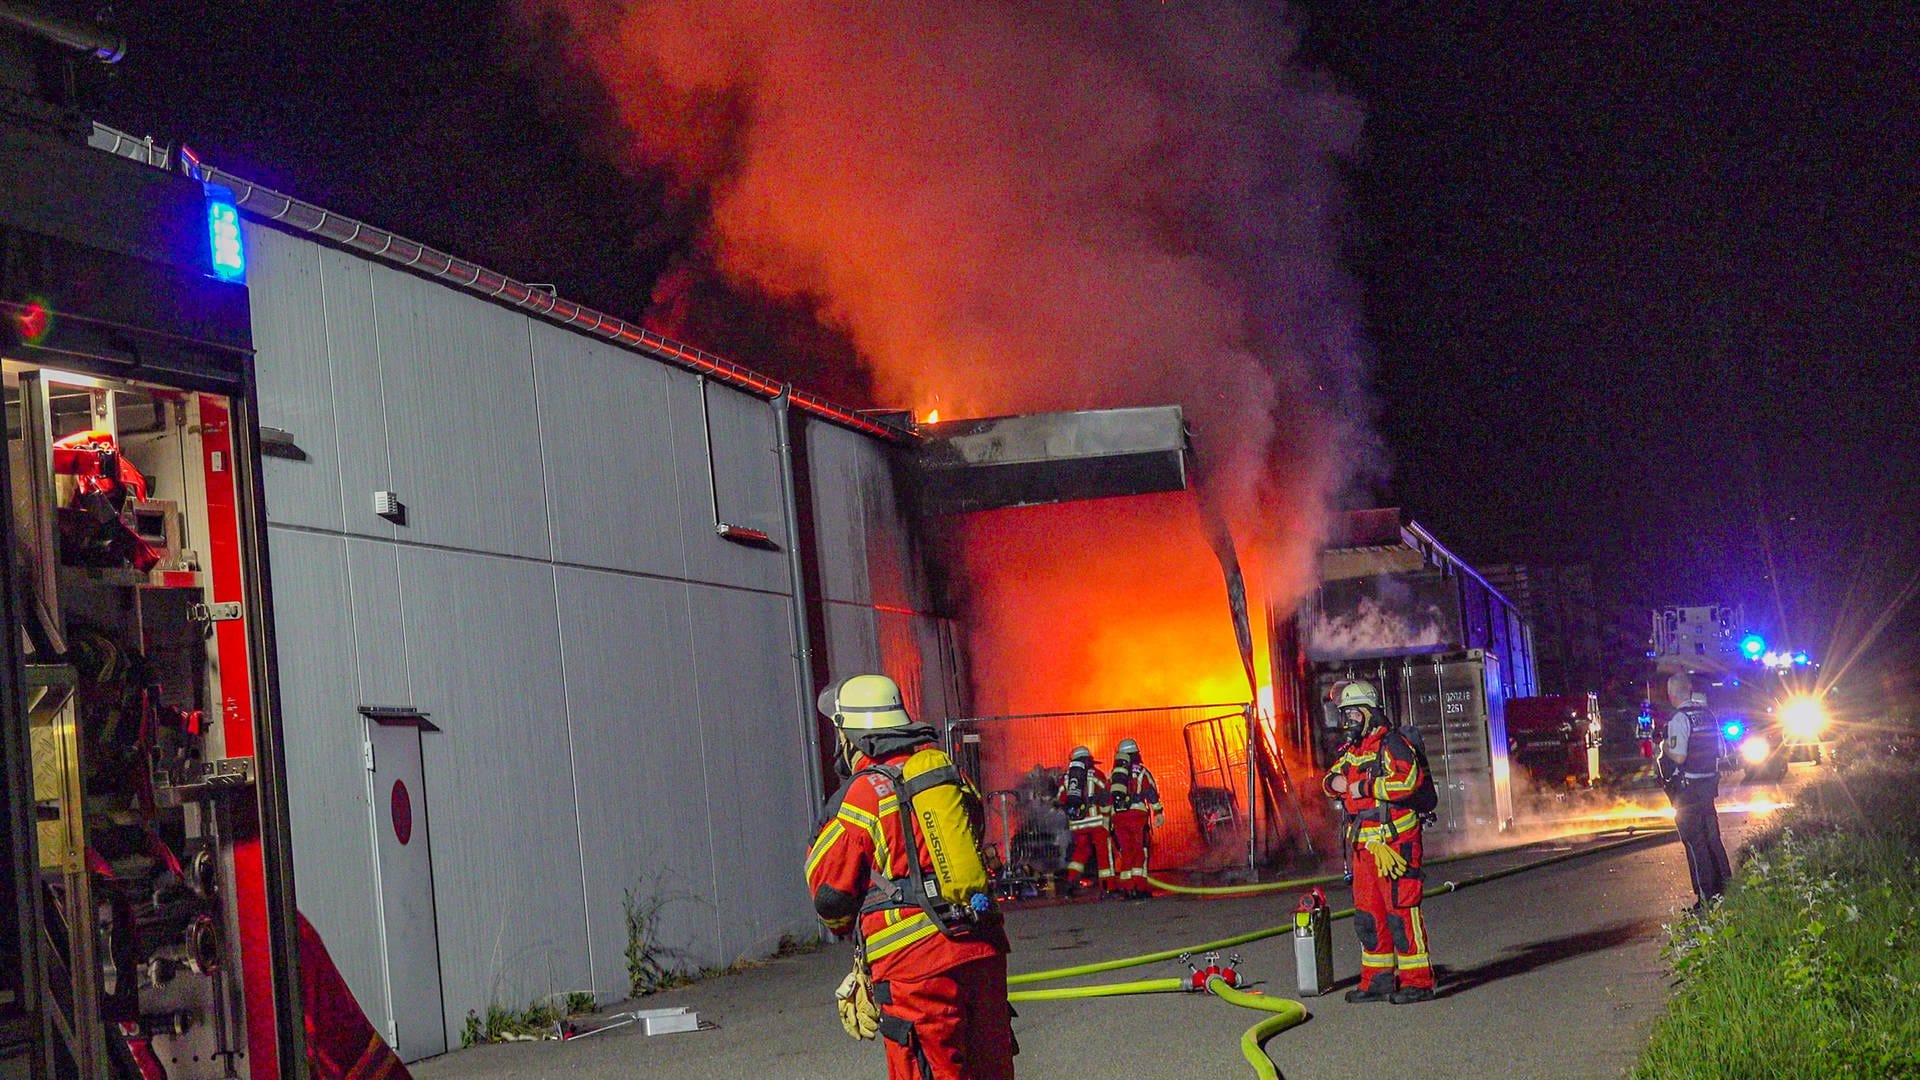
920 889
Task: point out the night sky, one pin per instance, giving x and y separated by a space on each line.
1640 283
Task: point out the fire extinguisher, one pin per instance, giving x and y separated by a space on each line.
1313 943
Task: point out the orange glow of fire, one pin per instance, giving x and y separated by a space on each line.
1108 604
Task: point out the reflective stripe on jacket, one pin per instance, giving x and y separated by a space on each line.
1368 800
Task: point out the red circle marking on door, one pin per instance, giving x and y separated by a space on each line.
402 813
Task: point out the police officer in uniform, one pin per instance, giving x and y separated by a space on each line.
1690 772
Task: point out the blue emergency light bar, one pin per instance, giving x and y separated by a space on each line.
1732 728
1753 645
223 235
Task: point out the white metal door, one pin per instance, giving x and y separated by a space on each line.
403 869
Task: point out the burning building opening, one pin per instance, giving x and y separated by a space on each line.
1025 208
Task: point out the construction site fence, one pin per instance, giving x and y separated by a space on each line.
1197 753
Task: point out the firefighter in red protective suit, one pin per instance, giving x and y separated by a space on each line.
1375 778
1083 795
930 975
1136 809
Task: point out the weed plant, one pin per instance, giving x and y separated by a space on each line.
1809 968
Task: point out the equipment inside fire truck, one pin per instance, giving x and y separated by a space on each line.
126 565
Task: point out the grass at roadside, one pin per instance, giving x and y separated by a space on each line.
1811 966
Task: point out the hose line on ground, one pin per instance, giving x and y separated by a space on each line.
1066 993
1286 928
1329 879
1286 1013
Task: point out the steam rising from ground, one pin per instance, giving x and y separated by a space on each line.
1028 206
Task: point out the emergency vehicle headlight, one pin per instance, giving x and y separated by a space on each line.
223 235
1804 718
1755 750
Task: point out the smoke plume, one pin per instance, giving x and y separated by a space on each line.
1025 206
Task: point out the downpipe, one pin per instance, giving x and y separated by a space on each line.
804 690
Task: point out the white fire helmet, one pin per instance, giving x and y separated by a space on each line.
1080 753
1128 748
1359 692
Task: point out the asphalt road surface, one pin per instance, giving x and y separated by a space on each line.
1555 973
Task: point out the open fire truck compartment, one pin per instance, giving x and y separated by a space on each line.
149 910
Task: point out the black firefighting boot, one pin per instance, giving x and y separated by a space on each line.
1380 989
1407 995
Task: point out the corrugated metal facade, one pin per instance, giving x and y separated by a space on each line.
613 683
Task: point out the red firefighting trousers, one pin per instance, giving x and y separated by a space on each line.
1130 850
1091 847
957 1022
1387 919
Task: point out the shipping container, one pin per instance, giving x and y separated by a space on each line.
1455 702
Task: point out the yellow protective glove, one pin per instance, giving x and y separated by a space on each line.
1389 862
858 1014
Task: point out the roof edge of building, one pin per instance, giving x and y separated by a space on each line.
275 208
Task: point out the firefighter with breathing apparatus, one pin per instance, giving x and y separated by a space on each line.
1384 787
1689 765
1083 797
1136 809
898 865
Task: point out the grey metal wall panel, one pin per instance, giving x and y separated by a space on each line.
380 635
484 650
356 353
462 433
853 642
865 553
290 359
834 457
326 780
607 436
753 754
746 470
638 754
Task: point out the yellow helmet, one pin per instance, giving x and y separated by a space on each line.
865 703
1359 692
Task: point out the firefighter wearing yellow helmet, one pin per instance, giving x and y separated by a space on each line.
898 866
1380 780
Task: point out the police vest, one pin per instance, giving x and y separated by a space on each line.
1703 742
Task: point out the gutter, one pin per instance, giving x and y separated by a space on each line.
272 206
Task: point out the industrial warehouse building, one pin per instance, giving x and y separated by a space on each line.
611 688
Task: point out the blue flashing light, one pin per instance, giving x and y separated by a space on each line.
1753 645
223 236
1802 659
1732 729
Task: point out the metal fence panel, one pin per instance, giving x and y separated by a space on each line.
1197 754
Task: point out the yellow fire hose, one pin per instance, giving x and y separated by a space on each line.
1258 935
1287 1012
1329 879
1066 993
